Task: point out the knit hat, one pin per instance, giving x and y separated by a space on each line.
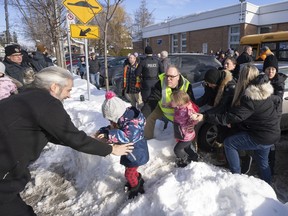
270 61
12 49
148 50
212 76
2 68
113 107
41 48
264 49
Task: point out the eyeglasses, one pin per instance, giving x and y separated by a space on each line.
171 76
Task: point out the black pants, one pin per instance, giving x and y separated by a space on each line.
180 147
16 207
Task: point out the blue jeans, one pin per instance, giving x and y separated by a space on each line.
94 79
242 141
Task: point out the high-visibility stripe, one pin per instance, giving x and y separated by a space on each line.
164 103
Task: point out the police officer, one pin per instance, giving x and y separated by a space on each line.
150 69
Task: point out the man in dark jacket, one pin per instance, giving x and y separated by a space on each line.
246 55
12 61
94 70
149 70
28 122
39 59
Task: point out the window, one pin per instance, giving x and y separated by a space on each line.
183 42
234 36
174 43
264 29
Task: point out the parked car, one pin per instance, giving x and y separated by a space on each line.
193 66
114 66
207 133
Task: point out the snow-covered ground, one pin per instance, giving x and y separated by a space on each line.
67 182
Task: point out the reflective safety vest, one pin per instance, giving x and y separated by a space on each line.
138 80
164 103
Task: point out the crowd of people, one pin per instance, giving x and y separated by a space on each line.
245 104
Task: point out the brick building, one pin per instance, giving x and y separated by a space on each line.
216 29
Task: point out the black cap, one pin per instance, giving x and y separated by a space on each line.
148 50
12 49
212 76
270 61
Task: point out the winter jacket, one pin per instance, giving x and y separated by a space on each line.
221 97
130 130
14 70
278 83
7 87
82 67
131 82
149 70
156 96
28 122
165 101
94 66
244 58
183 124
256 115
39 61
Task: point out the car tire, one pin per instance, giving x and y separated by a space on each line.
207 136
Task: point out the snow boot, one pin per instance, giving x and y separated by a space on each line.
127 186
180 162
139 188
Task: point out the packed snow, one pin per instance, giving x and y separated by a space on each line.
67 182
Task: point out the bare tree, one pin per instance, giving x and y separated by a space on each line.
42 21
142 18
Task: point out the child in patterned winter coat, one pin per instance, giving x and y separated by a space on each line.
184 113
126 126
7 85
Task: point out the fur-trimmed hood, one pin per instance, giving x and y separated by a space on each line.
259 92
227 77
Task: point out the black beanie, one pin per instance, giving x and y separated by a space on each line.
270 61
12 49
148 50
212 76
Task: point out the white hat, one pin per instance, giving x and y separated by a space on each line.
2 68
113 107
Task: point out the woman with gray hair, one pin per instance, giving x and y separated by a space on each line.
31 120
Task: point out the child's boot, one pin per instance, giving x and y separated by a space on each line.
133 192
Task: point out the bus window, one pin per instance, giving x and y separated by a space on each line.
276 41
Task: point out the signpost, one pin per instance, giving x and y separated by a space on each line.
85 12
84 31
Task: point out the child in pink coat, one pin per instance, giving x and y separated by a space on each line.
184 113
7 86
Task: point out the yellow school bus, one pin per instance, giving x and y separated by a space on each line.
276 41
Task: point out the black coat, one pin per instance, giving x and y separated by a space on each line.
244 58
256 115
28 122
14 70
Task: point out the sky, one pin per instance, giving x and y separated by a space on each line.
67 182
162 9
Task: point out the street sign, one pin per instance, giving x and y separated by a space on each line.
84 31
70 18
83 10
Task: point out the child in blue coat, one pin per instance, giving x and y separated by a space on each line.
126 126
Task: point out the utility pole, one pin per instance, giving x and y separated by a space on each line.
7 21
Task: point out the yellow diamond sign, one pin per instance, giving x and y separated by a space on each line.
83 10
84 31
